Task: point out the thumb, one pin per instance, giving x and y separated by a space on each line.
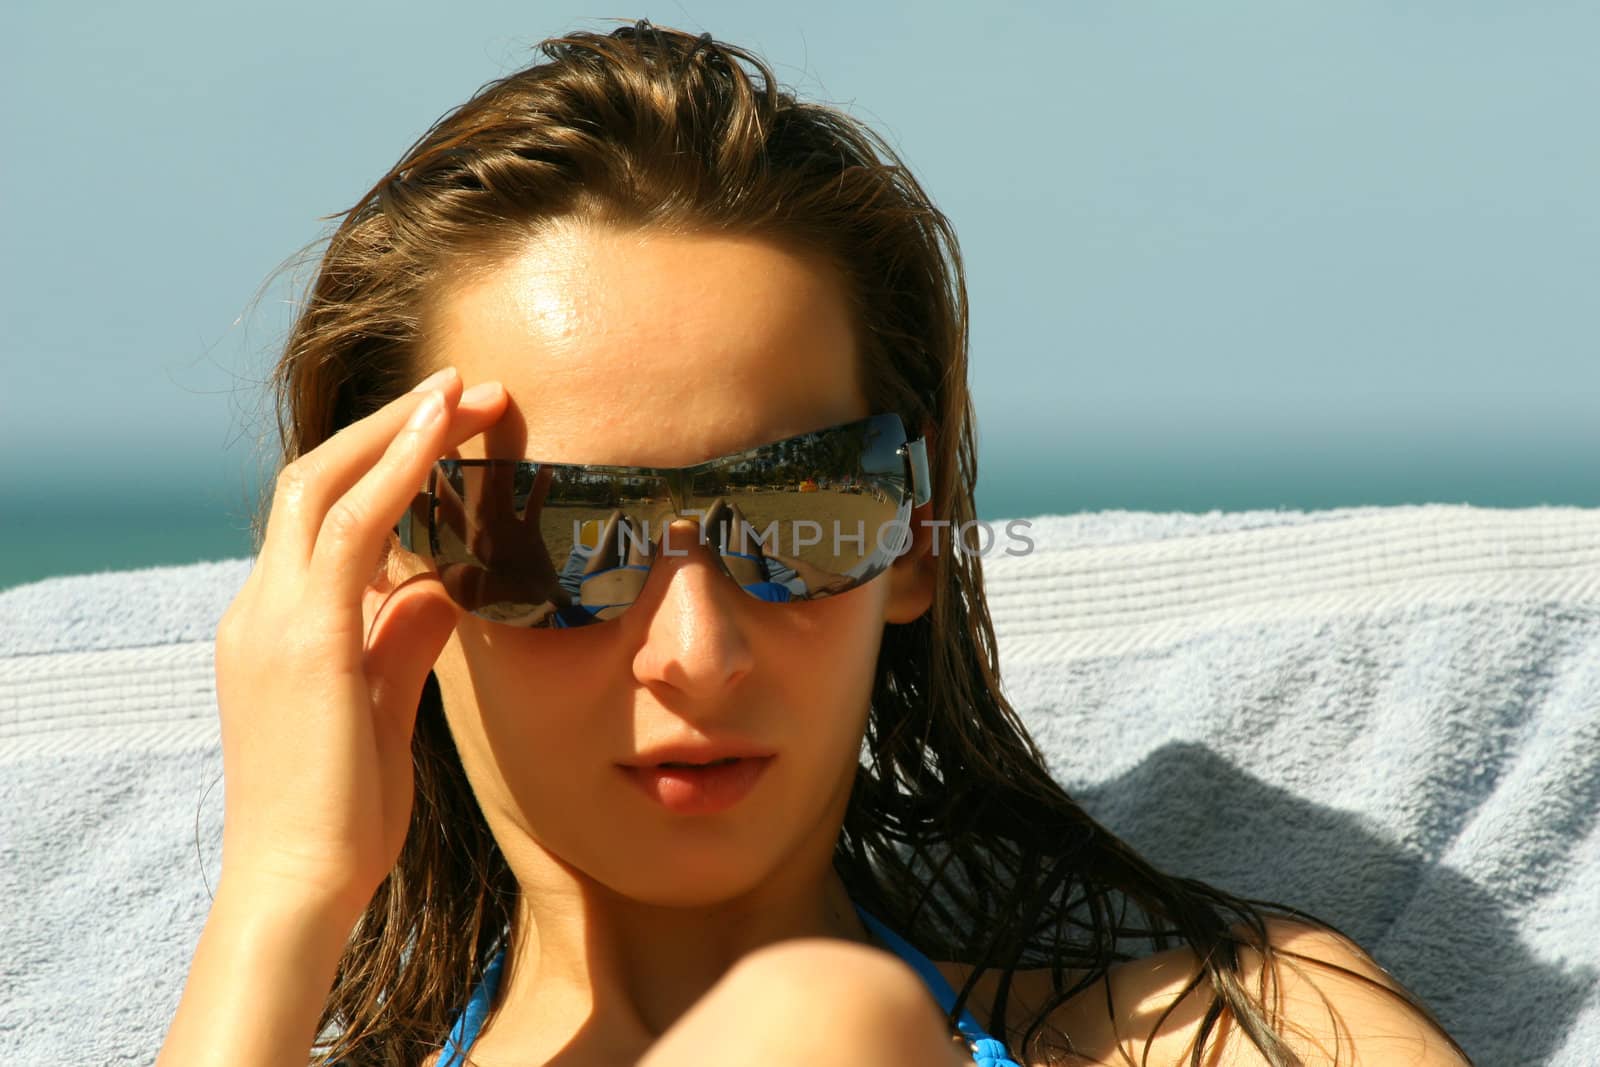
408 631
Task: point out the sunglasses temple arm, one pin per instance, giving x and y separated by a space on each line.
916 453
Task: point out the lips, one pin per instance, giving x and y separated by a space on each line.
698 754
703 790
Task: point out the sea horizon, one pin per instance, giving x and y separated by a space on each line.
47 532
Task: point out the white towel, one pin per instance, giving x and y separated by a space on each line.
1389 717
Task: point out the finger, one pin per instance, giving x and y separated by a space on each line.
501 478
449 511
308 486
357 523
542 476
497 494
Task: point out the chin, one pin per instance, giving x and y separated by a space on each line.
689 878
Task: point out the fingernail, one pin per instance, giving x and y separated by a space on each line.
431 408
480 393
437 378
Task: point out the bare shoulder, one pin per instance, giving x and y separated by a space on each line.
1320 1007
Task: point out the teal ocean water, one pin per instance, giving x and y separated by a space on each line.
46 532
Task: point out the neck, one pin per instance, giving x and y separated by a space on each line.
587 966
595 974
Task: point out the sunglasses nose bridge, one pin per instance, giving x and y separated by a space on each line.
671 539
680 530
676 530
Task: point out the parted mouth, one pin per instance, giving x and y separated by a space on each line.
704 789
697 757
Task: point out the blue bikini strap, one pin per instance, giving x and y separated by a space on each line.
924 967
465 1031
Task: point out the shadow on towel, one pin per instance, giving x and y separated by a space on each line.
1191 813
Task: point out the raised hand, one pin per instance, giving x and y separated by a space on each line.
321 658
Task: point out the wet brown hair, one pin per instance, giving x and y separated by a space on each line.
956 834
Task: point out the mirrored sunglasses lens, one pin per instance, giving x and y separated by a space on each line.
562 546
812 517
799 543
550 546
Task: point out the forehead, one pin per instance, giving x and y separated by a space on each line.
652 349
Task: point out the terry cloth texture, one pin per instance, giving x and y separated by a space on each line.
1388 717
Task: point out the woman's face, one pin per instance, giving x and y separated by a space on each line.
617 346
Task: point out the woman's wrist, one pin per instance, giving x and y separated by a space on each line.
259 981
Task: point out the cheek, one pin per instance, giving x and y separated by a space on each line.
828 653
525 708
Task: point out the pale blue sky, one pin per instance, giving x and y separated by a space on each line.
1219 255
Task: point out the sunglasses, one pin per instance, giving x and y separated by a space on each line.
532 544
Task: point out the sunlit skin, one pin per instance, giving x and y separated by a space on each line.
619 346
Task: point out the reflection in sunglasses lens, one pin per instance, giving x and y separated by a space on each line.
561 545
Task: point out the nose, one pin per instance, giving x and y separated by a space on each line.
694 640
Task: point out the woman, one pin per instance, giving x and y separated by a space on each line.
664 316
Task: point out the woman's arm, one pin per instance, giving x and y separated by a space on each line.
259 981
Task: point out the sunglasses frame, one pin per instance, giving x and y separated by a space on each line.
677 480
